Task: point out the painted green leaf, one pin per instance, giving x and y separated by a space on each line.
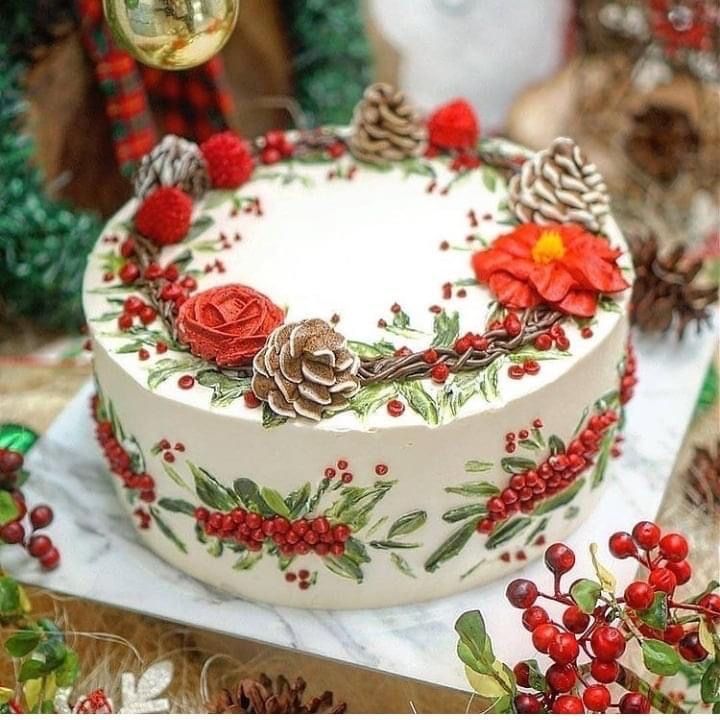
456 514
419 400
355 550
249 494
270 419
177 505
22 642
209 490
490 382
315 499
515 464
563 498
393 545
247 560
537 436
451 547
598 473
529 444
225 389
540 527
609 399
530 353
198 227
585 593
474 466
401 320
344 567
660 658
167 531
175 476
8 509
182 259
506 531
710 683
401 564
656 615
446 328
408 523
371 397
474 489
165 368
556 445
489 178
456 393
17 438
10 597
297 500
607 304
274 500
132 347
371 352
357 503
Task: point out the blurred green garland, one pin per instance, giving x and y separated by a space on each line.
331 57
43 243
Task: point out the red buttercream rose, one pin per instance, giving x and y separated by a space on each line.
454 126
563 266
228 324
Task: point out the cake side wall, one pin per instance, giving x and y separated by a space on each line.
414 540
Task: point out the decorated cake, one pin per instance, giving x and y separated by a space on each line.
360 366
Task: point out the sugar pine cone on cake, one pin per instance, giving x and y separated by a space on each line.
173 162
666 291
385 126
662 142
254 697
559 185
305 369
703 478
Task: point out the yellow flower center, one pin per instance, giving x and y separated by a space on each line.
548 247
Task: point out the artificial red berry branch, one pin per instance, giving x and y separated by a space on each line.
598 627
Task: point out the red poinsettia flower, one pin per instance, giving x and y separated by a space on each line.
564 266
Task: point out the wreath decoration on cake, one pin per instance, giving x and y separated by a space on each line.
553 264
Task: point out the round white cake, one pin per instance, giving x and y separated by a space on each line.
347 384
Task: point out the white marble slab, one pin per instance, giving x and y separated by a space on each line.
104 560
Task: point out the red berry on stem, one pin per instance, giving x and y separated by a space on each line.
604 671
129 273
133 305
646 535
41 516
575 620
639 595
534 616
522 674
10 462
567 705
711 601
622 545
681 570
521 593
543 635
607 643
39 545
596 698
147 315
527 704
691 648
559 558
663 579
543 342
125 321
673 634
395 407
51 559
440 373
634 703
561 678
12 533
564 648
674 547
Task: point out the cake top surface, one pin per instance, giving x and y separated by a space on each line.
383 253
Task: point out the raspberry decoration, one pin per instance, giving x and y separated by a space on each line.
228 159
164 216
454 126
586 669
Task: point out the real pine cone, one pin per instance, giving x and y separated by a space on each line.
254 697
703 479
173 162
305 369
666 290
662 142
385 126
559 185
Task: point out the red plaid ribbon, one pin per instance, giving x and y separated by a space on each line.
192 103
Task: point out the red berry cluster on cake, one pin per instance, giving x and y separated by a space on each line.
446 312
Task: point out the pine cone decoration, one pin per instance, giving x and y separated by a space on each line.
173 162
559 185
254 697
386 127
662 141
305 369
665 289
703 478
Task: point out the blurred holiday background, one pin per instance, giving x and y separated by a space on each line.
635 82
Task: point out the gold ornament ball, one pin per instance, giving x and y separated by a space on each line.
171 34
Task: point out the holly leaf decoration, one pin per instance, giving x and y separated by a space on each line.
506 531
209 490
710 683
585 593
419 400
472 489
177 505
225 389
446 328
660 658
407 524
451 547
475 466
513 464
